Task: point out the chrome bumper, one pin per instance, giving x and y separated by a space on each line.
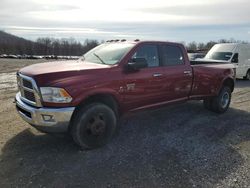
54 120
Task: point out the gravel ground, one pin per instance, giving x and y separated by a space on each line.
176 146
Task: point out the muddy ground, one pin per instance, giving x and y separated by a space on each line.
176 146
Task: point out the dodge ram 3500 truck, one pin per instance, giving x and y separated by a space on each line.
87 96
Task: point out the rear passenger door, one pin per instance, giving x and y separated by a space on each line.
177 70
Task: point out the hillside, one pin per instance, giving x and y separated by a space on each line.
9 38
11 44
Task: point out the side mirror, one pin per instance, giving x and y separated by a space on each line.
136 64
235 58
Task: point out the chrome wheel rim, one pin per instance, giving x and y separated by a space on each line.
225 100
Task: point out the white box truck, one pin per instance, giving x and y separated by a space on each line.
236 53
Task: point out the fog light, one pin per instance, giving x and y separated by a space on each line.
47 117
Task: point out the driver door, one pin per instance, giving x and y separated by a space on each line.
146 86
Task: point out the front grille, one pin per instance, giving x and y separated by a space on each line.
28 90
29 95
27 84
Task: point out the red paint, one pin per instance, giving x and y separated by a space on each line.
82 80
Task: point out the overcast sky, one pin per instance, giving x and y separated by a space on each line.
172 20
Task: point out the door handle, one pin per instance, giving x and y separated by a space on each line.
157 75
188 73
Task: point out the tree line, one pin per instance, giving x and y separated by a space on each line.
194 46
10 44
64 47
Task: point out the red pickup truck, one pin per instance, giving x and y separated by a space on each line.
87 96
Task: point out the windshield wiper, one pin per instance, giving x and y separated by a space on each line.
99 58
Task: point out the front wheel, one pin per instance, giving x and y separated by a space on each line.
93 126
220 103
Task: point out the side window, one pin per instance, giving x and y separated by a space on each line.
150 53
235 58
172 55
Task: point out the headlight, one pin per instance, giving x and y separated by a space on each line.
55 95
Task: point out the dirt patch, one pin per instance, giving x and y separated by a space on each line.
176 146
13 65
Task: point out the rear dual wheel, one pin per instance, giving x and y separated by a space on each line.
220 103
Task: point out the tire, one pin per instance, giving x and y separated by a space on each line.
247 77
220 103
93 126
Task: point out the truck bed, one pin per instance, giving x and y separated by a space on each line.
208 77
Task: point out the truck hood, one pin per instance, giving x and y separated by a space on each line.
60 66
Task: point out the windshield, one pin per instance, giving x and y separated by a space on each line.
108 53
221 52
223 56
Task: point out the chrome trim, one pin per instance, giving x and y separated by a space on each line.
35 90
157 75
189 73
61 116
28 89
